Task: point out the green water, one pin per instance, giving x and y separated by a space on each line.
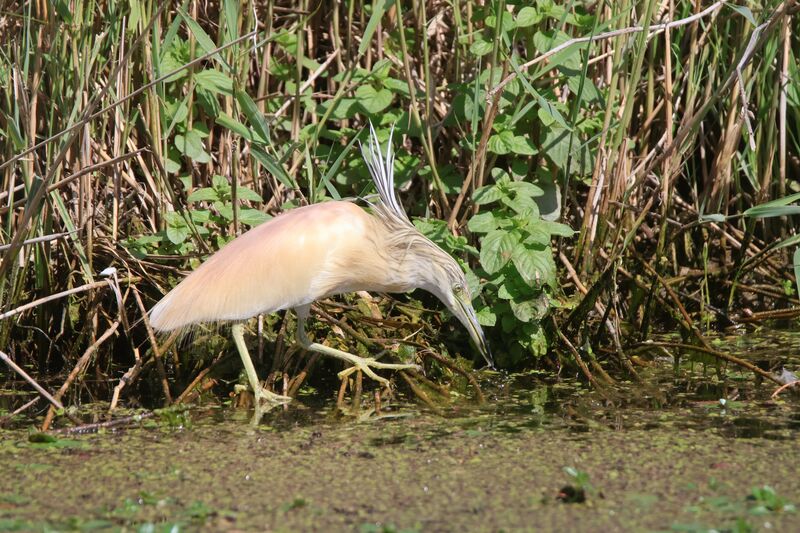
658 455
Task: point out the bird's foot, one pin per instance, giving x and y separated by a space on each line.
268 397
366 364
265 397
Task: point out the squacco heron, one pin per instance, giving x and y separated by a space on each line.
314 252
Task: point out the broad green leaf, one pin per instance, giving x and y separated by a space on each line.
243 193
507 20
482 223
506 142
537 234
200 216
172 163
524 310
378 8
343 108
500 143
568 57
177 229
373 100
252 217
225 210
527 16
204 194
486 317
496 249
522 145
556 228
220 183
481 47
190 144
536 266
487 194
522 205
525 188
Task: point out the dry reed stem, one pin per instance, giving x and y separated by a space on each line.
655 29
79 367
41 390
56 296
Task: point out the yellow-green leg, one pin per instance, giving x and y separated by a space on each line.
261 394
365 364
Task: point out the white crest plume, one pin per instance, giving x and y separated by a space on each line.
381 167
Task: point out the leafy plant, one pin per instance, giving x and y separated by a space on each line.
517 260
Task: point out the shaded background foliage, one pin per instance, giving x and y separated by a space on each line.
592 194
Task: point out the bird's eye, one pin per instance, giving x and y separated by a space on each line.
458 288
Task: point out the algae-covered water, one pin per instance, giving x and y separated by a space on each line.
694 450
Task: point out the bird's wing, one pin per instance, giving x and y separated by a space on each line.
277 265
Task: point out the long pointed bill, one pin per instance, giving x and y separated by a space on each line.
466 315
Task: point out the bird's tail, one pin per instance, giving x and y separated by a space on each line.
381 167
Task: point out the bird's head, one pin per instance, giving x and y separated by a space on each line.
418 261
447 282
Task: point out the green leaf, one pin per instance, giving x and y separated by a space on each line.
243 193
745 12
482 223
227 121
481 47
273 166
254 116
790 241
373 100
525 310
177 229
214 81
378 9
775 208
191 145
487 194
522 205
535 265
556 228
506 19
713 217
506 142
205 42
231 19
64 10
526 188
496 249
527 16
252 217
500 143
486 317
205 194
221 184
224 210
522 145
796 260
